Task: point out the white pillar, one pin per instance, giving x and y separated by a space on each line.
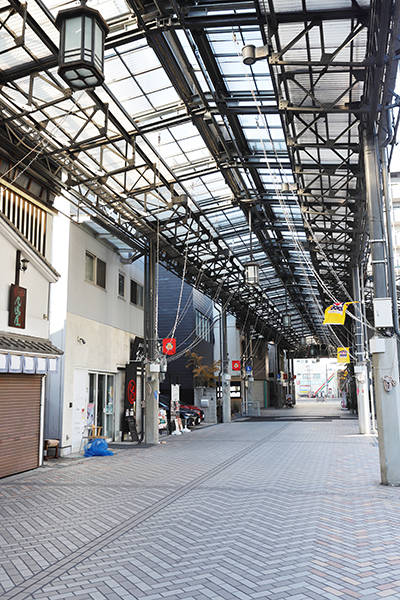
226 398
151 413
385 363
362 386
360 369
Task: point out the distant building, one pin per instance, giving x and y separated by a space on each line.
194 331
316 377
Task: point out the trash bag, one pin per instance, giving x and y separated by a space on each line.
97 447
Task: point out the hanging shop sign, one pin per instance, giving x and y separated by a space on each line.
236 365
169 346
336 313
343 355
138 352
17 311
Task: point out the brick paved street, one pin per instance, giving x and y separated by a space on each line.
289 507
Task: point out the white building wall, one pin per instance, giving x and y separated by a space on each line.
36 280
87 299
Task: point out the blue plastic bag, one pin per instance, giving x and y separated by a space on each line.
97 447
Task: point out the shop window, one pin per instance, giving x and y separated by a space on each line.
136 293
121 285
95 270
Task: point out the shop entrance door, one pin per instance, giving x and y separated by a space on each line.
101 397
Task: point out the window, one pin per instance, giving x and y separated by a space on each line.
89 267
95 270
136 293
203 326
121 285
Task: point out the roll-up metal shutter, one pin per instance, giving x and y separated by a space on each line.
19 422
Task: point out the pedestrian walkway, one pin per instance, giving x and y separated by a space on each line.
288 506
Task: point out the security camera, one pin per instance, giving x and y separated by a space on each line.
81 340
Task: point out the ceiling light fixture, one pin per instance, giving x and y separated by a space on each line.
81 56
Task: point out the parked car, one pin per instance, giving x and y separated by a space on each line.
197 409
191 417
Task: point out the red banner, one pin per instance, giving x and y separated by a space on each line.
169 346
236 365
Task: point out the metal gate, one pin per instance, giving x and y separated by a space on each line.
19 422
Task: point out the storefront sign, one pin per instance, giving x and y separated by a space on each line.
343 355
137 350
236 365
17 311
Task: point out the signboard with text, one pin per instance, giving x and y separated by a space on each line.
17 310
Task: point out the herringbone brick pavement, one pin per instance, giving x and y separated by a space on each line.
290 508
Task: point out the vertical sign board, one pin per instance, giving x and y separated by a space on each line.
130 397
175 400
137 352
17 310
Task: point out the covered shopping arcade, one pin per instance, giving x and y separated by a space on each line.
205 158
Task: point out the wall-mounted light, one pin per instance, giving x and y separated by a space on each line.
81 56
23 264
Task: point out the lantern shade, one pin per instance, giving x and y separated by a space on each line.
81 57
287 320
252 273
303 341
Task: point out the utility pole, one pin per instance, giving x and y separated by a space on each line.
360 368
226 380
152 368
384 349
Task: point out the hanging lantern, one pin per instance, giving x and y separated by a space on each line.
252 273
81 56
287 320
303 341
